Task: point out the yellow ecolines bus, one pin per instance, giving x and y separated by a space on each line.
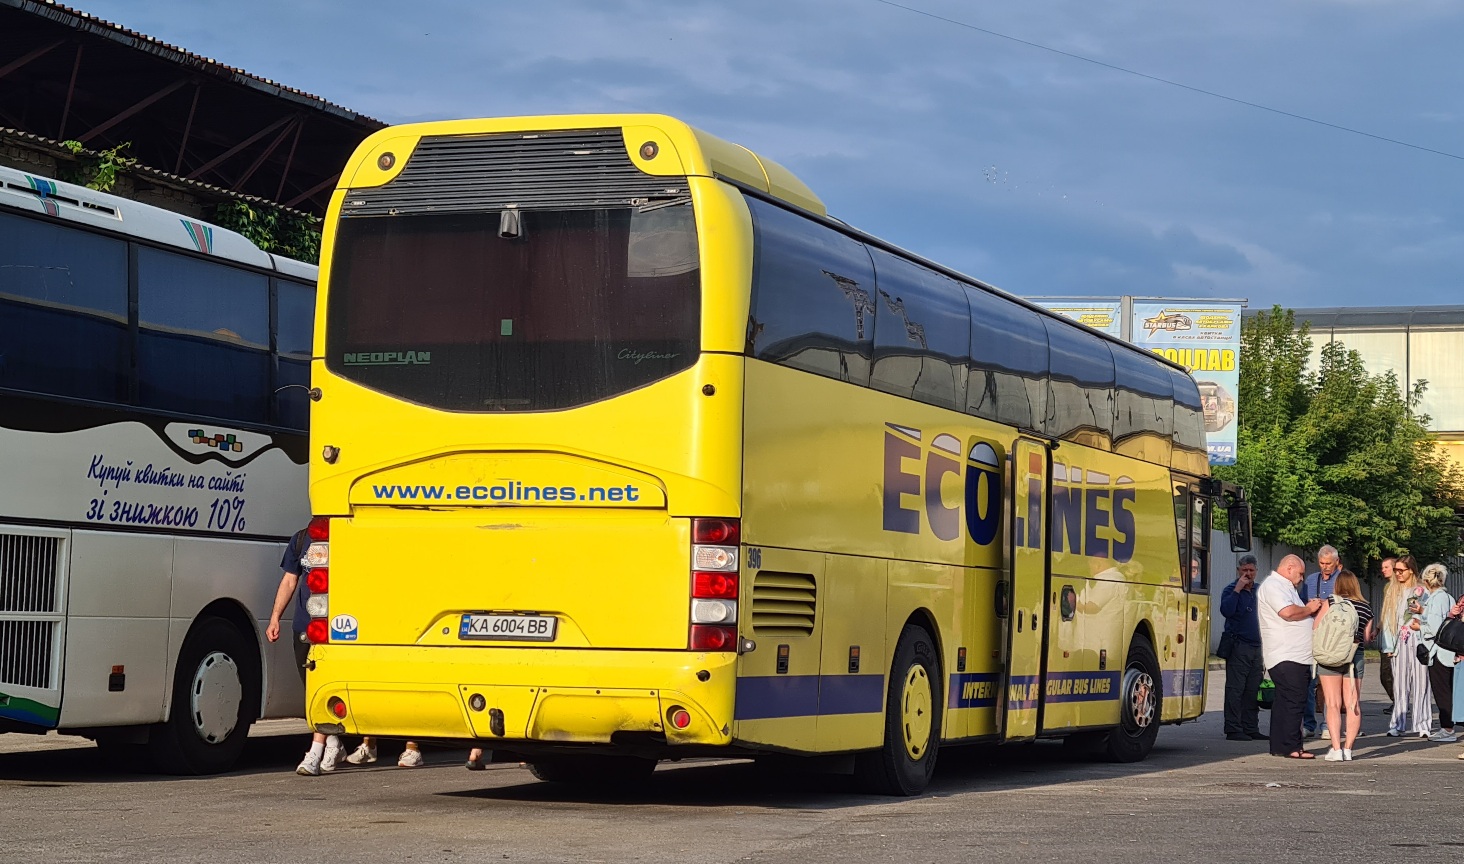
623 450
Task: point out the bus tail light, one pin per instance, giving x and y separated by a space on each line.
710 637
337 706
317 631
715 544
319 528
713 586
318 580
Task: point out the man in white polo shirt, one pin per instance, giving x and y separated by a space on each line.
1286 649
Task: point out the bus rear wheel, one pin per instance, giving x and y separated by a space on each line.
214 691
906 761
594 771
1141 696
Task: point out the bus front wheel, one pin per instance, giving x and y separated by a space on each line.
1141 696
213 693
906 761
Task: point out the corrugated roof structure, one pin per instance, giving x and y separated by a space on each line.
67 75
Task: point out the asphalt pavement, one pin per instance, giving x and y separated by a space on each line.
1198 798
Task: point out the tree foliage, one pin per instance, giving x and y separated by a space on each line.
1338 455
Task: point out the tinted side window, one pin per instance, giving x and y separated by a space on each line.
203 337
1008 381
1189 415
813 296
921 341
63 311
1143 397
295 317
1081 406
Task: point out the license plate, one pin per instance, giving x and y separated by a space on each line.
515 628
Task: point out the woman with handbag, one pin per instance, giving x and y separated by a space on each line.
1436 608
1412 712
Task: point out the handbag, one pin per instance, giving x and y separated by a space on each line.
1424 655
1226 646
1266 695
1450 636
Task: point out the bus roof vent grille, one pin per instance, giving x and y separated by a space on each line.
577 170
783 604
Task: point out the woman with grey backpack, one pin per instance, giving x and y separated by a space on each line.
1341 681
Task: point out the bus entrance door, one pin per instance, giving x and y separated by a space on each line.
1027 559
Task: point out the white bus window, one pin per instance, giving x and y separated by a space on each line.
294 328
63 311
203 338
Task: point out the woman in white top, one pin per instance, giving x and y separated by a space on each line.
1436 608
1412 698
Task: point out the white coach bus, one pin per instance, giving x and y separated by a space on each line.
153 403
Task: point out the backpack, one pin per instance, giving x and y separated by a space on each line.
1334 639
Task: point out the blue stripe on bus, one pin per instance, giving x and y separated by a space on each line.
974 689
1183 682
1081 686
1022 684
764 698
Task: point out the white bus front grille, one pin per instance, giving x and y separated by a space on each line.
25 653
28 573
30 609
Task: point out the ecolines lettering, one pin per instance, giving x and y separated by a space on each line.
981 502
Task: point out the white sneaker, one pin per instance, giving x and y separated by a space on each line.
1394 733
362 755
410 759
1333 756
1443 736
333 754
1346 755
309 766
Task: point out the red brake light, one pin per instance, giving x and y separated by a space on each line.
707 637
319 528
318 580
317 631
336 706
713 586
716 532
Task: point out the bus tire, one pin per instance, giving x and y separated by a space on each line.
906 761
215 690
594 771
1141 697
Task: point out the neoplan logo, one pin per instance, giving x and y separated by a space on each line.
387 358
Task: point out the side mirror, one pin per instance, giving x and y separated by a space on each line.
1239 516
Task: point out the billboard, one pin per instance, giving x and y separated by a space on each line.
1203 336
1097 312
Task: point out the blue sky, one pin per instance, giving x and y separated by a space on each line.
1037 172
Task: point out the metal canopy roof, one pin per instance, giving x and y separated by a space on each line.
67 75
1377 317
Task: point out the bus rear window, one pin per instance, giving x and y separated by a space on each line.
578 306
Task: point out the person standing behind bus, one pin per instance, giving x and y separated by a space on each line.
325 750
1243 667
1387 638
1411 695
1286 648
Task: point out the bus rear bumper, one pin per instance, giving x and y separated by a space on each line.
509 695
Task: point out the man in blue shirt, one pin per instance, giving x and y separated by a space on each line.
1318 585
1243 666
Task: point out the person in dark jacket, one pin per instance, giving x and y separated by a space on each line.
1243 666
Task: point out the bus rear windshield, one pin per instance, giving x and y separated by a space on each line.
573 306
